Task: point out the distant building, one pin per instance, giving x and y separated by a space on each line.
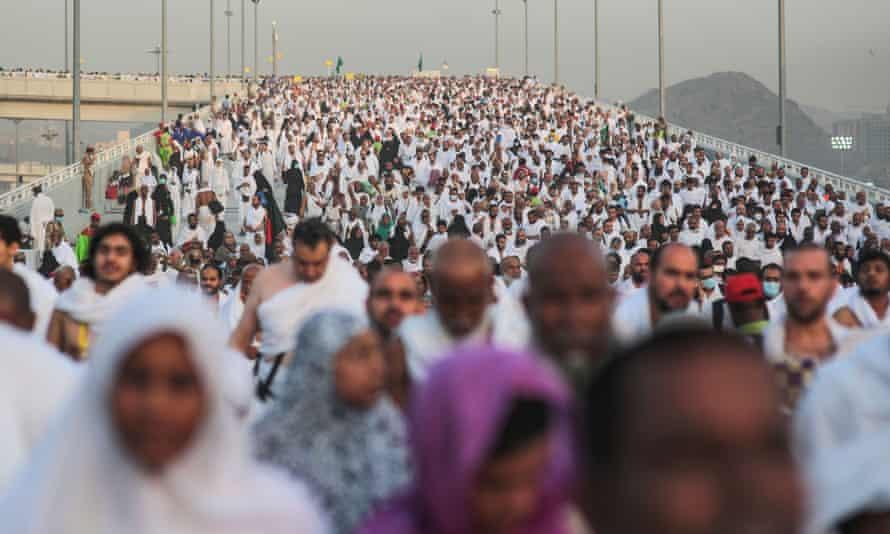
871 134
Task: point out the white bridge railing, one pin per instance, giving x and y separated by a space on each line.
12 200
16 199
742 153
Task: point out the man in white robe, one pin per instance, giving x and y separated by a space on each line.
245 190
219 182
806 337
464 310
42 212
113 276
867 307
191 232
287 293
41 292
674 280
254 218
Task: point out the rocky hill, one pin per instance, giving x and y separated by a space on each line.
738 108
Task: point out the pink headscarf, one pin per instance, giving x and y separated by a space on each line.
455 418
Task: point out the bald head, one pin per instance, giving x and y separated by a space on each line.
248 275
461 283
546 257
461 255
63 277
15 302
568 301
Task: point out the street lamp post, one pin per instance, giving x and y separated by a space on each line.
843 144
49 136
229 14
17 122
75 143
497 34
212 55
256 39
783 130
556 42
164 61
68 152
525 5
662 104
275 49
243 39
596 50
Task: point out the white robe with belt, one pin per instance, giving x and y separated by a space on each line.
42 212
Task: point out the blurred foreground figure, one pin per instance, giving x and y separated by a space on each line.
149 444
464 310
807 336
332 426
393 297
35 380
684 436
41 292
568 302
492 450
841 439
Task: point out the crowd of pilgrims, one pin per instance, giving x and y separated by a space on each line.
448 306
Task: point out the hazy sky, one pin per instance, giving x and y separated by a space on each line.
838 50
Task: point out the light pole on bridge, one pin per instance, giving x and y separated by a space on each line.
256 39
229 14
525 6
243 40
662 99
497 34
75 91
556 42
17 122
164 52
68 152
212 54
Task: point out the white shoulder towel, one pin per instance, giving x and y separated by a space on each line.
340 288
84 305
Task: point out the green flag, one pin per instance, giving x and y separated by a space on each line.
339 64
420 63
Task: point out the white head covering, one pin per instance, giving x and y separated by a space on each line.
352 458
81 480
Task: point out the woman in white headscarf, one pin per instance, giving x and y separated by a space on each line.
149 444
332 426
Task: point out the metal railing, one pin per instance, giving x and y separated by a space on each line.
22 194
742 153
14 199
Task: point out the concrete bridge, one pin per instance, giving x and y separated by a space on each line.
106 99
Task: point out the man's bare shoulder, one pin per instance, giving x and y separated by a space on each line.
272 280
